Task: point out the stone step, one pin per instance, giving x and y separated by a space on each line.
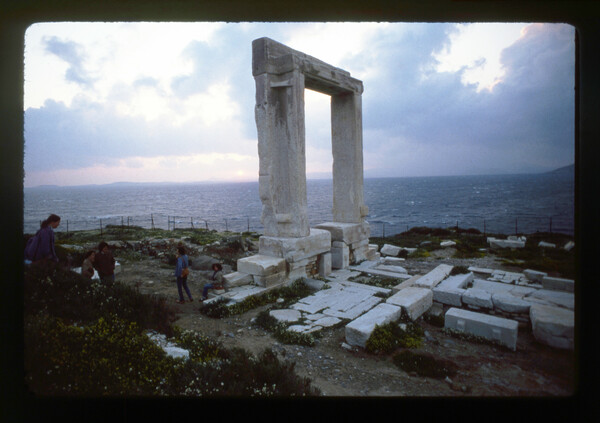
261 265
237 279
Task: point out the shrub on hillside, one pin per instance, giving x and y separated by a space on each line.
114 357
68 295
108 357
387 338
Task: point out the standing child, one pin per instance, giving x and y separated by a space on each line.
181 272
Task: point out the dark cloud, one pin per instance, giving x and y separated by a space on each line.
528 118
413 116
73 54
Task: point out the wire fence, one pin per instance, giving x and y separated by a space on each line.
154 221
507 226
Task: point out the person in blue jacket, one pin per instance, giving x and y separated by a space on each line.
182 263
41 246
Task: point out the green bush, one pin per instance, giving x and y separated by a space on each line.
113 357
68 295
109 357
389 337
85 338
424 364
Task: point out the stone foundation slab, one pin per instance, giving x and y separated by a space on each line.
296 249
493 328
261 265
348 233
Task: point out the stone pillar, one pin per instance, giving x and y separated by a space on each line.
281 75
346 139
279 114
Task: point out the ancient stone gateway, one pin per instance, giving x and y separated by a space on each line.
281 74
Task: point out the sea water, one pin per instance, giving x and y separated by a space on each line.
492 203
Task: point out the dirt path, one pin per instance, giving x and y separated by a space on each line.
483 370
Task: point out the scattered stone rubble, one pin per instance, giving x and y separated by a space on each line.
492 308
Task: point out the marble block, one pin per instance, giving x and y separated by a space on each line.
493 328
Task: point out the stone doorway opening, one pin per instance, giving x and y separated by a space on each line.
290 248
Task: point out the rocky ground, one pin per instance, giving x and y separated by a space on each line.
483 370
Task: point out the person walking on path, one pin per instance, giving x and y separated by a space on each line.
104 263
87 267
181 272
216 280
41 246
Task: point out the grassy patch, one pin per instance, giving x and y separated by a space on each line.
550 260
281 332
470 246
67 295
420 253
113 357
83 338
378 281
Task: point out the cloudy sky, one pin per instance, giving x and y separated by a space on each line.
153 102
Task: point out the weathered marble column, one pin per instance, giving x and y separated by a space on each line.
281 75
279 114
346 139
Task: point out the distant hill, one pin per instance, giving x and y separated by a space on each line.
570 170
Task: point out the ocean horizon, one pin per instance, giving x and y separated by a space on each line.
523 203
